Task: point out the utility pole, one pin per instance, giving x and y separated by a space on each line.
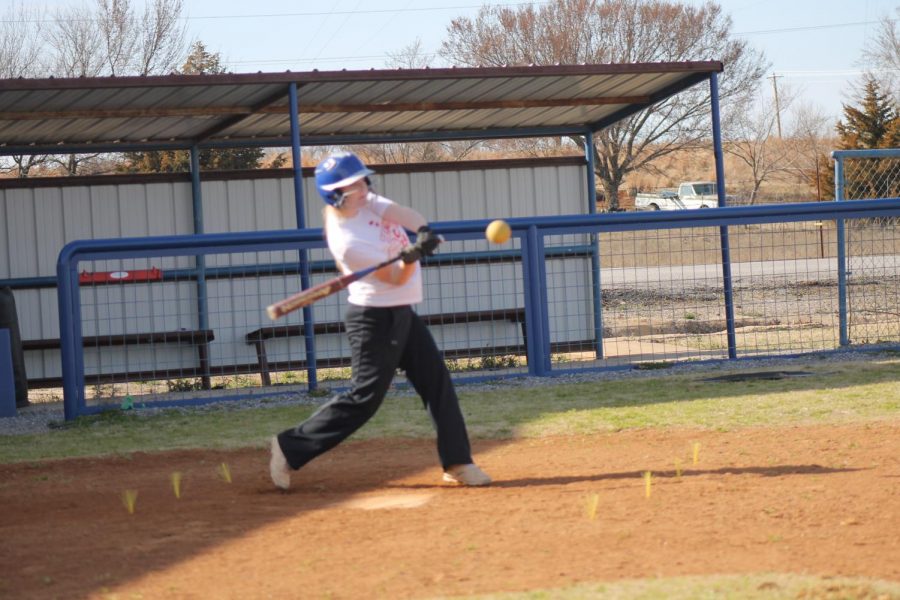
774 78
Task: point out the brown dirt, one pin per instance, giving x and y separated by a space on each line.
371 518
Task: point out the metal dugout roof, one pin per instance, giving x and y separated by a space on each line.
108 114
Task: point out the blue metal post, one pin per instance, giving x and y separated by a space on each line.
200 259
71 347
7 377
544 317
844 328
533 267
596 287
723 231
531 315
310 336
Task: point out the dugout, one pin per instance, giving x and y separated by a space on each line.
194 112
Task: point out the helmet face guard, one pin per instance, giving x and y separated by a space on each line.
338 171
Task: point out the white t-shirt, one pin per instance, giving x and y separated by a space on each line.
365 240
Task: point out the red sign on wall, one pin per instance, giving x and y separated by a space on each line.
86 277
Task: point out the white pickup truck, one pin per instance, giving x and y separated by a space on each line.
690 194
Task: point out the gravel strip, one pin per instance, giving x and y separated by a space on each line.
46 417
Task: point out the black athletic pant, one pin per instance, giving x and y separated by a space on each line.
382 340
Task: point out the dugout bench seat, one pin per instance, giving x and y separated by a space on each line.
259 336
198 337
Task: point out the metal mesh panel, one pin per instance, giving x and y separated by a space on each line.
145 339
785 288
873 247
474 306
665 288
661 296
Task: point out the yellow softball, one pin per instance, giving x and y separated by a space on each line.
498 232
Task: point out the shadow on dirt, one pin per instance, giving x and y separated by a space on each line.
779 471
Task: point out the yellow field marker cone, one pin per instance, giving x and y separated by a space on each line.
129 498
592 504
176 484
225 472
648 477
678 468
696 452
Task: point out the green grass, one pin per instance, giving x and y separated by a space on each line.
836 393
734 587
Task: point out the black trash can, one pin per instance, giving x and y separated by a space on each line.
9 319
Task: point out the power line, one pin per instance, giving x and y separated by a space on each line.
321 59
375 11
371 11
811 27
837 71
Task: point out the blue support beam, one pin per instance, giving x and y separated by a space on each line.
200 259
536 322
843 321
727 283
596 287
532 312
71 350
300 209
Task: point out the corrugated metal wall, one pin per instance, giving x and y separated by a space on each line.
39 220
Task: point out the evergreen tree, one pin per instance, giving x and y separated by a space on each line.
202 62
199 61
874 124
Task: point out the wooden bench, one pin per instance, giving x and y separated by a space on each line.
200 337
259 336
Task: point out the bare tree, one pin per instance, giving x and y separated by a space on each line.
412 56
78 51
76 42
108 38
20 48
618 31
162 42
882 55
118 30
750 136
811 140
20 56
22 165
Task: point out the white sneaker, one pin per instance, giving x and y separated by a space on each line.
468 474
279 468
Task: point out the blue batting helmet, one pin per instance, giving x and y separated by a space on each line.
337 171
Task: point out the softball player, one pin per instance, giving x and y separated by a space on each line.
362 229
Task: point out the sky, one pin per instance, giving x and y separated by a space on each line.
814 46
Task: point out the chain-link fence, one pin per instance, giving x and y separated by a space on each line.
872 303
566 293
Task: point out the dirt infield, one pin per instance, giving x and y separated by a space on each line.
371 519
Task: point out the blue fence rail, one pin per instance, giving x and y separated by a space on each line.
552 275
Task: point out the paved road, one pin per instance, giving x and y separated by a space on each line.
749 273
